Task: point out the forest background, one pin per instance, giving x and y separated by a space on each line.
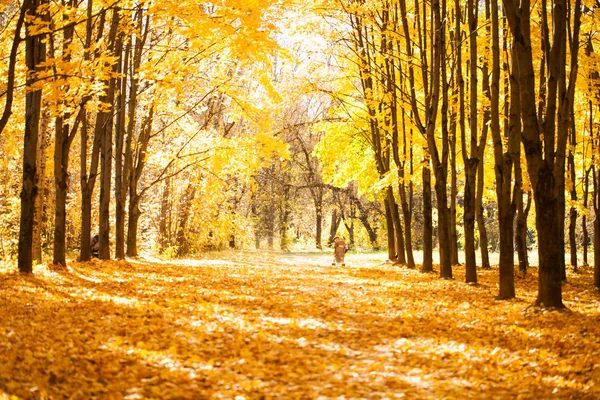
401 125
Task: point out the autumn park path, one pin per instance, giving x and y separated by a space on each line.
268 325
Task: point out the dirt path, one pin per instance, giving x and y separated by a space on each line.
265 325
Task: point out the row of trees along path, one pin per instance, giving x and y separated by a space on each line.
412 90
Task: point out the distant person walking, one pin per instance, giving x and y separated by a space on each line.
95 245
340 247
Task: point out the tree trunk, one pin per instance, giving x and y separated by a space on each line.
121 176
398 231
504 157
391 236
132 228
87 178
584 229
106 153
319 224
469 220
134 179
40 201
34 54
453 194
427 223
165 216
544 152
480 218
335 223
61 183
521 222
183 217
596 202
364 219
28 6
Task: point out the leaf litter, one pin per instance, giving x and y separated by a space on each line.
263 325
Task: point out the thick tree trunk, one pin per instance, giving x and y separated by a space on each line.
469 220
443 227
545 153
34 54
398 231
549 249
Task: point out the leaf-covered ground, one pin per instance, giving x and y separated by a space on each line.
263 325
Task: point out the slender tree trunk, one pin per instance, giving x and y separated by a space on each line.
319 223
487 116
183 217
364 219
284 220
165 213
471 159
480 218
453 194
28 6
596 202
573 192
135 176
106 153
459 94
40 201
335 223
427 223
88 178
61 177
399 234
120 135
584 229
391 234
521 222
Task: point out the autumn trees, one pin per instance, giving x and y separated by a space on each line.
198 127
436 72
121 75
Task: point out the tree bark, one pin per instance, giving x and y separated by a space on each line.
40 201
34 55
543 152
427 223
87 178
